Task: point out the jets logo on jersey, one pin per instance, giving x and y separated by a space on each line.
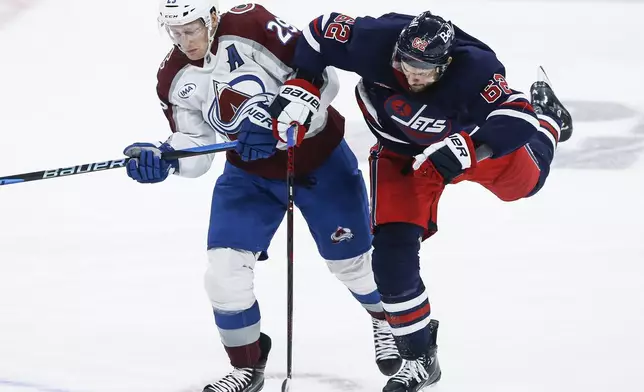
415 121
401 108
237 100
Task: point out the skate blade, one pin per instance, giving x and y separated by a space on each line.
542 76
434 383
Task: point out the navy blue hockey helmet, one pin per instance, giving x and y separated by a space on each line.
426 43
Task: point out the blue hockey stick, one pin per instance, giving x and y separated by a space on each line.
113 164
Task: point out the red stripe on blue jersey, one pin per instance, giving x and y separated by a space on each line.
363 108
316 26
520 104
546 125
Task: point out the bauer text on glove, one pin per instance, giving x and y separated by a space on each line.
451 156
297 101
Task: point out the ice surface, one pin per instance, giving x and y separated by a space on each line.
101 278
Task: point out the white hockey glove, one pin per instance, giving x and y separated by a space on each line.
451 156
295 104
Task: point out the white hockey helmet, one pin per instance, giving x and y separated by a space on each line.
175 13
181 12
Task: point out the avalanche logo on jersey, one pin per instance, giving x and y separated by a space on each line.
415 121
237 100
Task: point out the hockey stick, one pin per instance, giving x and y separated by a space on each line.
290 177
113 164
483 152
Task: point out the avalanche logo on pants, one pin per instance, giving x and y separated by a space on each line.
341 234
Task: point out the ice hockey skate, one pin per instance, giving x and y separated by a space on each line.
416 375
545 102
249 379
387 357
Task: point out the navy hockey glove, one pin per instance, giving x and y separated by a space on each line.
146 165
296 103
255 139
451 156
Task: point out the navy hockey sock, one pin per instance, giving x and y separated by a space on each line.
396 267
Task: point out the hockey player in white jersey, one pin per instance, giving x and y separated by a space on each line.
216 84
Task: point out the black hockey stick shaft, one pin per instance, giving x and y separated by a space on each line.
290 179
85 168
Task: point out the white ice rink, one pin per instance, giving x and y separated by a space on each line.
101 278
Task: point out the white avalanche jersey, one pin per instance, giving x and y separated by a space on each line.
248 62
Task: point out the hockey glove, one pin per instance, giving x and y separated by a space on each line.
296 103
451 156
255 139
146 165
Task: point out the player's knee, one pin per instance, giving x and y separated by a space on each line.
395 257
229 278
355 273
396 241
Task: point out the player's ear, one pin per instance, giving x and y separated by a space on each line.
449 60
214 18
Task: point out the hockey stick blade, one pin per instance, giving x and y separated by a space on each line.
286 385
113 164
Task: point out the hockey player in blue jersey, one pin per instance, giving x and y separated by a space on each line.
214 84
438 103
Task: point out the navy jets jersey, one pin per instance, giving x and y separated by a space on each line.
472 95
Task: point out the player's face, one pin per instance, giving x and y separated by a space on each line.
418 78
192 39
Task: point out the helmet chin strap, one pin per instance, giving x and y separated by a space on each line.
211 37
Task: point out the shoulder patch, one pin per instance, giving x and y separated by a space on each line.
242 8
